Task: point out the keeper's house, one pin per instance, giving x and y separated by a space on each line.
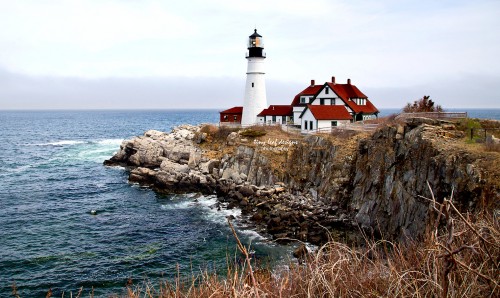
331 105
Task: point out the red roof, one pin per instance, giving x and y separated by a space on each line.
324 112
277 110
233 110
311 90
348 91
368 108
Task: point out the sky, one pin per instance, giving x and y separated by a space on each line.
152 54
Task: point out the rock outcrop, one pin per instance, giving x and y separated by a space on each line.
325 190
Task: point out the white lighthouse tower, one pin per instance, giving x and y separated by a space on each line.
255 89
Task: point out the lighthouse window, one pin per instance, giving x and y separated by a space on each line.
252 85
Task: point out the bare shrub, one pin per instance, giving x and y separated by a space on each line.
222 132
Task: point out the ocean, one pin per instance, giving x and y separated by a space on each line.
51 177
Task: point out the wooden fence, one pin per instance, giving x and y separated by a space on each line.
350 126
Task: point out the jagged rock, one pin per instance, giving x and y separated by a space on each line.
200 137
194 158
142 175
417 121
232 138
246 191
172 167
209 166
376 187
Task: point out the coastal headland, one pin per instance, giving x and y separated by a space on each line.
315 187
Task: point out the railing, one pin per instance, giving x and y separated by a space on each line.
350 126
481 134
434 115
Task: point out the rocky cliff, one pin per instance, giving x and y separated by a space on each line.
323 187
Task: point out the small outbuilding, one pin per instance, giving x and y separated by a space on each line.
276 114
232 115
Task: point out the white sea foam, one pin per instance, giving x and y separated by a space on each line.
61 143
252 235
110 142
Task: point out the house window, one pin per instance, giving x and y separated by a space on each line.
321 101
332 101
225 117
274 118
311 125
305 125
303 100
283 119
235 117
334 123
327 90
252 85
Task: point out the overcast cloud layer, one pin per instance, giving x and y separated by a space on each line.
190 54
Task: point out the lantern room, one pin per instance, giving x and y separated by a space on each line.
255 45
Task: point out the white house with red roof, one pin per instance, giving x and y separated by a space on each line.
331 105
276 114
301 100
324 116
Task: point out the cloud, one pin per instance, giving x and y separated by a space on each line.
381 45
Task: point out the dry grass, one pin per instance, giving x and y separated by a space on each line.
261 138
458 258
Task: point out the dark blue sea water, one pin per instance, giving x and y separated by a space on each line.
51 176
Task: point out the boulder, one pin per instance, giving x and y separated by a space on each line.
142 175
173 168
246 191
194 158
232 138
209 166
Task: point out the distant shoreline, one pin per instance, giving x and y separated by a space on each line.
482 113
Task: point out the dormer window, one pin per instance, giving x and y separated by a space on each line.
302 100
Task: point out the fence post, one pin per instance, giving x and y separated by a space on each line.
471 133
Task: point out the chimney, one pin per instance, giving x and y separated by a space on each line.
313 83
348 81
333 80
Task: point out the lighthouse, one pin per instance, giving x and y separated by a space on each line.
255 89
